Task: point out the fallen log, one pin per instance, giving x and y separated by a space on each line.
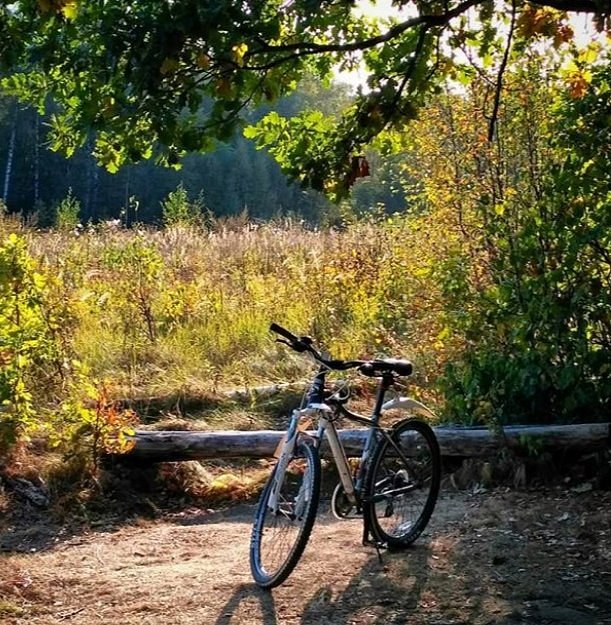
170 446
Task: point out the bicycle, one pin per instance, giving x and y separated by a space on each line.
399 470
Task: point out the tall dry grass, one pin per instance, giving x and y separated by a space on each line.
186 310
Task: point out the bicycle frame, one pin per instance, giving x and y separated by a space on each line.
326 426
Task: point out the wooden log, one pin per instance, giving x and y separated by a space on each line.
164 446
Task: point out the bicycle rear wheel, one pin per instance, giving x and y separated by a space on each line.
402 488
279 535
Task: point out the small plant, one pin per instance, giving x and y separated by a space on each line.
90 424
136 268
68 209
177 210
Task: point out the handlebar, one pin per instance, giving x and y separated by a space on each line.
304 344
385 368
298 344
274 327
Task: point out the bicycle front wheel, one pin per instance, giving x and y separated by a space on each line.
403 483
283 523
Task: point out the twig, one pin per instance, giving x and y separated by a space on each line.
62 616
499 80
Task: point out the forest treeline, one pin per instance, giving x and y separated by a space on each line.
235 178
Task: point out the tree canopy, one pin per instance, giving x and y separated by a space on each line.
138 73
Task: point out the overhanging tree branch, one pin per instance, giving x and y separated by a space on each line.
169 58
429 20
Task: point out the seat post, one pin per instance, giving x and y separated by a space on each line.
385 383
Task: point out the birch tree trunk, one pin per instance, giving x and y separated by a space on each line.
10 156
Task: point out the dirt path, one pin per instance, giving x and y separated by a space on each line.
496 558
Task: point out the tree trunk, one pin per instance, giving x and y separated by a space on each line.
10 156
179 445
36 159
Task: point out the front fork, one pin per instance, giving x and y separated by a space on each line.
285 451
286 447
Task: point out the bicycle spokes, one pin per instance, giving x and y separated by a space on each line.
284 517
403 484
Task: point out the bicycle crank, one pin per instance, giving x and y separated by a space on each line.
341 506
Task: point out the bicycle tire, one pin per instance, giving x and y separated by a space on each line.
410 490
272 532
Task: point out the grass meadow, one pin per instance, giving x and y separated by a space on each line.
185 311
168 321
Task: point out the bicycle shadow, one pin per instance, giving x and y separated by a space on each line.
243 605
378 593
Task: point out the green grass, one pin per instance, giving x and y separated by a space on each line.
185 312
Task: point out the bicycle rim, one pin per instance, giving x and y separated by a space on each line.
402 492
279 535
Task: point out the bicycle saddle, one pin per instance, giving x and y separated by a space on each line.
379 367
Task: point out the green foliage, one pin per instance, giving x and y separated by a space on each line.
539 333
67 212
167 58
43 388
178 210
25 341
130 298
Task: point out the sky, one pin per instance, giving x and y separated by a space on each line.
581 24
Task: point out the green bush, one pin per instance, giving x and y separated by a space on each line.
178 210
67 215
539 334
43 388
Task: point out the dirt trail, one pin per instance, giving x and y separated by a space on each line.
495 558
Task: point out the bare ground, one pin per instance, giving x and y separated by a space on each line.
491 558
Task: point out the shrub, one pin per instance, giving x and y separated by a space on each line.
539 333
43 388
26 338
178 210
67 216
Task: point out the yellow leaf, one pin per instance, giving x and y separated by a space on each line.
70 10
590 54
239 52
